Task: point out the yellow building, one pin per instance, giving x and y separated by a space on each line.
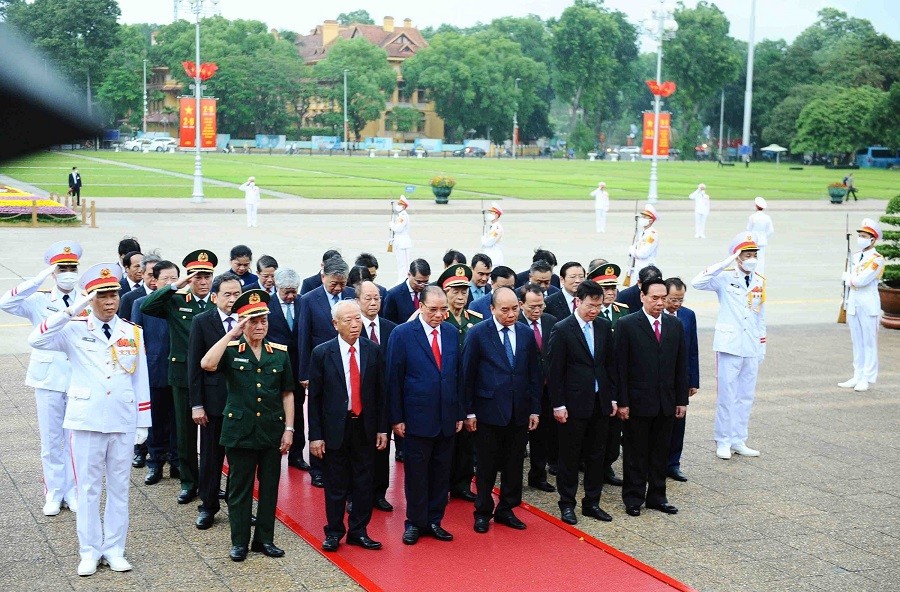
162 101
400 43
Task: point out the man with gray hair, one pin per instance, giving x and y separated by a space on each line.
284 317
144 287
315 327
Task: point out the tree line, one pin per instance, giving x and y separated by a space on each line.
580 75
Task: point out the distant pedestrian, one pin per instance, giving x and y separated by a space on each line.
760 223
400 239
701 210
75 185
251 200
601 205
490 242
851 188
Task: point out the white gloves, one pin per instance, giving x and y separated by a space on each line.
82 301
140 436
44 274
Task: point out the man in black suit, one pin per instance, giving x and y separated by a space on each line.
126 302
652 383
675 307
314 281
208 392
75 185
540 254
377 330
544 446
266 266
541 273
481 273
582 392
131 276
403 299
631 296
561 304
347 423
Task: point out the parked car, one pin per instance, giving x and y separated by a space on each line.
878 157
137 144
162 144
471 151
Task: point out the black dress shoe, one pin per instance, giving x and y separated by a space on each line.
552 469
542 485
139 461
174 473
383 505
154 476
596 512
331 543
465 494
482 524
411 535
365 542
267 549
222 495
509 520
398 456
298 463
187 496
610 477
675 473
318 481
568 516
205 519
633 510
664 508
238 553
439 533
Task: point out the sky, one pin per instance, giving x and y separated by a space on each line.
775 19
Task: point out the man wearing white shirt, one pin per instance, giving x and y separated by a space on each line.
760 223
601 205
251 200
562 304
701 210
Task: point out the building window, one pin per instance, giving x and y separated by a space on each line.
401 92
422 95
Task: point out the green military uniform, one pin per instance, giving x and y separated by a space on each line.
616 311
469 318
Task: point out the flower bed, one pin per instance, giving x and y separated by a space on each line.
16 207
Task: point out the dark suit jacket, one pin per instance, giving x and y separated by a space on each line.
632 297
248 279
651 377
558 306
426 399
156 342
126 302
74 180
496 392
547 322
481 305
125 287
315 326
311 283
398 304
279 332
329 399
206 388
689 320
385 328
487 292
574 371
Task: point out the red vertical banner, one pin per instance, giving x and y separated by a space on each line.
187 121
665 134
208 123
647 147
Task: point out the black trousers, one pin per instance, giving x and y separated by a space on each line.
186 432
212 456
613 441
646 452
349 471
676 444
381 477
76 194
543 444
427 476
500 449
582 439
463 468
161 441
299 444
243 465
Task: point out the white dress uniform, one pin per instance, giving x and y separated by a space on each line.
402 241
601 206
251 200
48 373
739 342
760 223
644 252
701 211
864 310
108 400
490 243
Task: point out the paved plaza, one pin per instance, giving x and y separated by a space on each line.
817 511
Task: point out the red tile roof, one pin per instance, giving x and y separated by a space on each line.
401 43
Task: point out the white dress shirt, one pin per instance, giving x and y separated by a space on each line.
512 333
367 327
223 316
653 320
428 329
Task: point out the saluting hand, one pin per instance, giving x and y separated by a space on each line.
187 279
238 329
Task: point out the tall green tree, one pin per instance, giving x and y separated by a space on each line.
121 92
839 123
355 16
782 121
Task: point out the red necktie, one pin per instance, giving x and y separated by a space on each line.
372 335
656 330
573 306
355 397
537 335
415 300
435 348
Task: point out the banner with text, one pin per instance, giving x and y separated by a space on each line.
665 121
207 120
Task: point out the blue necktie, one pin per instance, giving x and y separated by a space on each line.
507 345
334 300
289 316
589 337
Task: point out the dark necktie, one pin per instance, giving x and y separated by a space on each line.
355 396
415 300
607 315
136 286
573 306
106 330
436 348
747 280
201 304
507 345
334 300
537 335
66 299
372 335
656 331
228 320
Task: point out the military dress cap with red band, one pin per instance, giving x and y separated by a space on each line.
455 276
63 253
649 211
200 260
252 303
744 241
606 274
870 226
103 277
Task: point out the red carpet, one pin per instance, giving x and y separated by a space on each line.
501 560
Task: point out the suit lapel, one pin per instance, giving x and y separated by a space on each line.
424 343
363 357
579 331
339 364
645 325
595 326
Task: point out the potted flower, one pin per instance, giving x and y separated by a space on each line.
889 288
837 192
441 186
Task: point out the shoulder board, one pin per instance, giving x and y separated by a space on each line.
728 269
475 314
79 319
621 304
878 255
129 322
234 343
184 290
278 346
43 291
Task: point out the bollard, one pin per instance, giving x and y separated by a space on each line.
93 214
371 153
117 147
34 219
84 212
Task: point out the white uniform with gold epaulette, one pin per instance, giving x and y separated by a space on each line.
644 252
490 243
402 243
109 397
601 207
761 224
701 212
863 311
739 343
48 372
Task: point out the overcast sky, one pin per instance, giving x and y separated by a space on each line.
775 19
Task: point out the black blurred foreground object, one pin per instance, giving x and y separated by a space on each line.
37 108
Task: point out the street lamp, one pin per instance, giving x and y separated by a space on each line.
345 110
660 26
145 96
515 138
197 196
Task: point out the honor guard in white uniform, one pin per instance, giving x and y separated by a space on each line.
490 242
761 224
48 371
108 410
701 210
401 241
644 250
864 306
601 205
739 342
251 200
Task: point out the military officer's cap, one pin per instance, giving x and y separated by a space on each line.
455 276
200 260
744 241
606 274
103 277
870 226
252 303
650 212
495 208
403 201
63 253
760 203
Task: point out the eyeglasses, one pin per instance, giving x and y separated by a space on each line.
675 300
437 309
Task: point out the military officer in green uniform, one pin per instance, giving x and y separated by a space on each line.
455 281
178 304
258 420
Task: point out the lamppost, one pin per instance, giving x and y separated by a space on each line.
660 26
145 96
748 90
345 110
197 196
515 138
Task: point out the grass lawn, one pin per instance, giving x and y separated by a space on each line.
361 177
